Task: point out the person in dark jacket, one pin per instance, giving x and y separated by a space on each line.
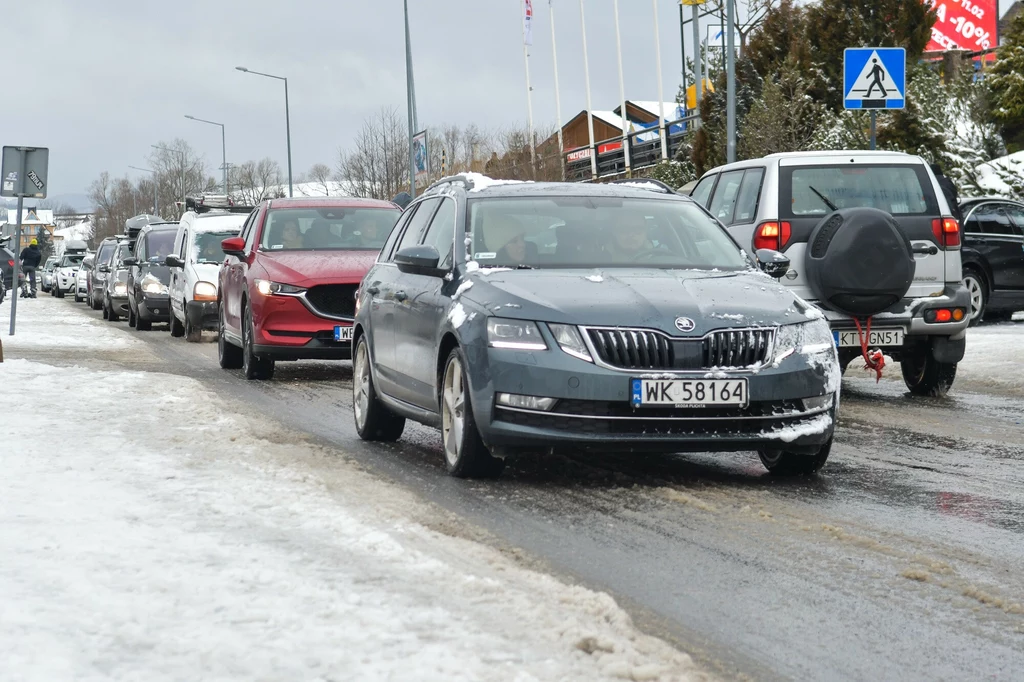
30 259
949 190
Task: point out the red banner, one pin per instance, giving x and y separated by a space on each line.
964 25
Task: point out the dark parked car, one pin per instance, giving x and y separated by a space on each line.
100 272
7 267
148 276
115 294
993 257
577 316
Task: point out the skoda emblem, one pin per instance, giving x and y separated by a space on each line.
684 324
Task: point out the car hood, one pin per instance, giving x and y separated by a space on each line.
161 272
207 272
309 268
641 298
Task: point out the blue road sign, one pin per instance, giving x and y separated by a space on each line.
874 77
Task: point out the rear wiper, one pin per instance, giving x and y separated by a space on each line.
831 206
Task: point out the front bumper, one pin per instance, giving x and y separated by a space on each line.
594 412
119 304
203 314
154 308
285 329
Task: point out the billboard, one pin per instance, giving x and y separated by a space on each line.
964 25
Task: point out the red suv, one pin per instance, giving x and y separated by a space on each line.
288 285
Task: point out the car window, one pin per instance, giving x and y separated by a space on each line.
991 219
417 223
1016 214
724 200
389 247
746 202
105 252
702 191
249 230
159 245
598 231
183 249
140 248
441 233
896 189
206 246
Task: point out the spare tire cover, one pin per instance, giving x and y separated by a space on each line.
859 261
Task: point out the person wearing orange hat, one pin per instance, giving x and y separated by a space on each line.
31 256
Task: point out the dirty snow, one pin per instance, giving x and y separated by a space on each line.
201 543
463 288
728 316
595 278
788 434
457 315
51 323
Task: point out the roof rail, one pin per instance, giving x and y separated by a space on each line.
639 183
204 203
464 179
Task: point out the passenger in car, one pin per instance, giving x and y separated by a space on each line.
629 239
507 237
367 230
291 238
319 235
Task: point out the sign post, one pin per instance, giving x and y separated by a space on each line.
874 78
23 172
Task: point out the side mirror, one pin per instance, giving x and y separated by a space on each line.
174 261
103 268
130 261
418 260
233 246
772 263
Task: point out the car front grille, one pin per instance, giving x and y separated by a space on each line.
737 348
633 348
333 300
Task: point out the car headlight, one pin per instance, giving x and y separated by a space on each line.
151 285
204 291
121 289
807 338
517 334
268 288
570 340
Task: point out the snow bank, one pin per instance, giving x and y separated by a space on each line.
53 324
193 542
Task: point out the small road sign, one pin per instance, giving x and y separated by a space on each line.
874 77
23 172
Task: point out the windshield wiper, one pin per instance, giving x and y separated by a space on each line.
523 266
831 206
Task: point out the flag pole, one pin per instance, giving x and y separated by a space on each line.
590 109
558 99
661 85
622 92
527 7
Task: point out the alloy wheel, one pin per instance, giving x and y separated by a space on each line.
453 417
977 292
361 386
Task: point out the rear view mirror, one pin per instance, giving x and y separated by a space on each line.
772 263
173 261
418 260
233 246
130 261
104 268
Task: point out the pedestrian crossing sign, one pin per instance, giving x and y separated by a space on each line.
874 77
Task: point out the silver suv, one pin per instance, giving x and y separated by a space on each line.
778 201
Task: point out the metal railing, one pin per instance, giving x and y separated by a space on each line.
611 161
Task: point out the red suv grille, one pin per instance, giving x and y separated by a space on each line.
333 300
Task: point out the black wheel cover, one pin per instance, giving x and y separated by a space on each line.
859 261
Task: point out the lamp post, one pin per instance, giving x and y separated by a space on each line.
223 148
156 199
183 160
287 118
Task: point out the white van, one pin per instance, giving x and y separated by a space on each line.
195 265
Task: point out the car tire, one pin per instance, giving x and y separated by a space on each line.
784 463
465 454
228 354
106 312
60 293
253 367
977 287
177 328
926 376
193 334
132 317
112 315
78 299
374 421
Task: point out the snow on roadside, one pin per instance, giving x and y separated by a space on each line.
153 534
51 323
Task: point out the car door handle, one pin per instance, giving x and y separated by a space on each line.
373 291
401 296
927 249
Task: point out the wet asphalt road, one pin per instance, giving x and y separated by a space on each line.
903 560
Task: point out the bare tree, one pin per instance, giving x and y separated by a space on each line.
180 172
115 200
320 176
254 181
378 164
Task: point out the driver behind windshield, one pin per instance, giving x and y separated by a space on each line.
506 237
629 238
210 251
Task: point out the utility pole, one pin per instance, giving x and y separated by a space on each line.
410 94
698 77
730 75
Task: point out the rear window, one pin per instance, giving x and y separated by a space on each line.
899 190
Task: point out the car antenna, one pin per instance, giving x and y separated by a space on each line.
831 206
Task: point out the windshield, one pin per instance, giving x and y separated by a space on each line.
586 232
314 229
206 246
105 252
159 244
71 261
899 190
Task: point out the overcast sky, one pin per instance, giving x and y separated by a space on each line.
99 82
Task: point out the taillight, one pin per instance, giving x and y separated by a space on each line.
946 231
10 264
772 235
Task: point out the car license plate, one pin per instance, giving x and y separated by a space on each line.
343 333
879 338
689 392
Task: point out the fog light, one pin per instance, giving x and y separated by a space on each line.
819 403
526 402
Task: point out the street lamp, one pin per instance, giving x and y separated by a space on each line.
223 148
287 118
183 159
156 199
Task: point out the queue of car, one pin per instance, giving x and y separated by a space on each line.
526 316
